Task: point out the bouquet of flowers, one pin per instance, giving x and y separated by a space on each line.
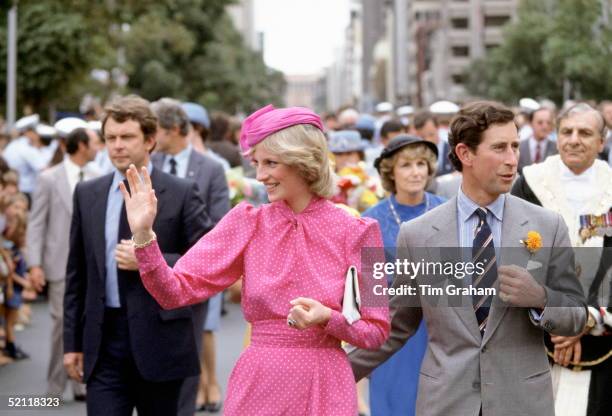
356 188
242 188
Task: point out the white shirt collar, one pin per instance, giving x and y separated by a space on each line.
586 176
182 156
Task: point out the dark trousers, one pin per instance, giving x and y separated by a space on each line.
189 390
115 387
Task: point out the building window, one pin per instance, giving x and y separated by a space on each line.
494 21
461 51
490 47
458 79
459 23
432 15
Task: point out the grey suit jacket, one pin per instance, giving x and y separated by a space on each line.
525 157
209 175
48 228
506 372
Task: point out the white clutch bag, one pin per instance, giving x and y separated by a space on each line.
351 302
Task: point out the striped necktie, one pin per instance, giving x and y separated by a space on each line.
483 250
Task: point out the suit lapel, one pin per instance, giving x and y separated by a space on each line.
525 154
63 187
550 148
159 184
444 228
193 167
98 215
514 229
157 159
445 234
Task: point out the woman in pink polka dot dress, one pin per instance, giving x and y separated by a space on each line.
293 254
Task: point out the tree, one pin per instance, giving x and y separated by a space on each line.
186 49
551 43
52 53
191 55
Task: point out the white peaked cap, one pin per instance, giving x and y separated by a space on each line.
405 110
529 104
95 125
45 130
27 122
444 107
384 107
67 125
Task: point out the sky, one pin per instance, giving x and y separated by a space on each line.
300 36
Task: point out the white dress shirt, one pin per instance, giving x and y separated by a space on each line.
73 172
578 188
533 148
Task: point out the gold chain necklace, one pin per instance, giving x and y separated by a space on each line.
396 215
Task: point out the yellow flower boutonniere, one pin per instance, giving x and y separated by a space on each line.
533 242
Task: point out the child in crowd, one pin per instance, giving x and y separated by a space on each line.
13 244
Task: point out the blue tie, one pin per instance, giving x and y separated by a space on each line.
483 250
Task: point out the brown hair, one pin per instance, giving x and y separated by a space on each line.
422 117
10 178
303 147
414 151
219 127
16 223
132 107
471 121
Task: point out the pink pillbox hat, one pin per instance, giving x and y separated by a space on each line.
268 120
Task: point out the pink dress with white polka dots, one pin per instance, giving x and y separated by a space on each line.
282 256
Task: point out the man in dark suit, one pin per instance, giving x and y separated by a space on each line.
130 352
174 155
537 147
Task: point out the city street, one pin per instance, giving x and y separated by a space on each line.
28 376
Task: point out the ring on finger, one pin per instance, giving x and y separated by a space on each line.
291 322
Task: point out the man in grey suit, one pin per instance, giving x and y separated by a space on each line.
486 354
175 156
48 245
538 146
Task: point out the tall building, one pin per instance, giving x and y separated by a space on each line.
344 76
445 37
305 91
374 53
426 46
242 14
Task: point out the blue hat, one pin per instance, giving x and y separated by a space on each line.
196 114
344 141
366 122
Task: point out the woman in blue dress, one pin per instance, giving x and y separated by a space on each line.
406 167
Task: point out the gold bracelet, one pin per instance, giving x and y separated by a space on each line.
146 243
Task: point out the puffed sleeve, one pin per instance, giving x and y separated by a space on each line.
364 247
211 265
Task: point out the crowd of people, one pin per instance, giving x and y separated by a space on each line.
132 222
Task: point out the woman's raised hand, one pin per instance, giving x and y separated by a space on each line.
140 203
